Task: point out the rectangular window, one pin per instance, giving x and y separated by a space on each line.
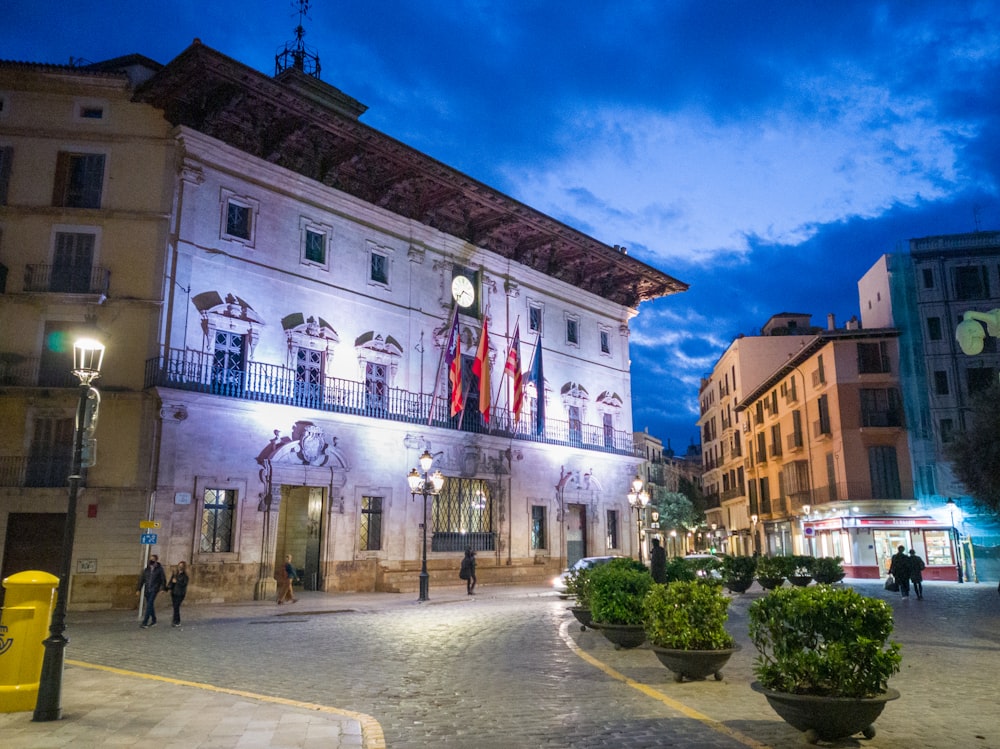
228 363
605 342
538 527
572 331
238 220
823 412
884 471
371 523
941 382
934 328
776 440
938 546
309 376
79 180
315 250
462 516
217 520
946 428
613 542
881 407
971 283
575 425
6 156
765 495
928 275
609 429
51 454
72 263
535 318
796 435
56 362
873 358
379 268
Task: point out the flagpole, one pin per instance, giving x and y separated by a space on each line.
444 351
510 343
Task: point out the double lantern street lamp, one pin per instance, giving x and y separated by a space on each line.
428 486
88 355
639 499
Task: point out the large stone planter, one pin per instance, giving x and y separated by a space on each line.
694 664
800 581
828 718
735 585
582 615
621 635
770 583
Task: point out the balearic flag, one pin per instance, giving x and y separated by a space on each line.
538 377
453 358
512 369
481 369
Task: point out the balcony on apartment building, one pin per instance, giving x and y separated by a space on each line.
270 383
41 470
18 370
87 279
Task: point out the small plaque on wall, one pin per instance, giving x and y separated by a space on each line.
182 498
86 565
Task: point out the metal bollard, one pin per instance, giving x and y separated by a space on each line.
24 624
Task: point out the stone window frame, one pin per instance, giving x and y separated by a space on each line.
306 226
540 306
386 493
386 253
201 485
573 325
226 197
604 335
84 107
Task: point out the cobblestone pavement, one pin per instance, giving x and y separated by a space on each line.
511 668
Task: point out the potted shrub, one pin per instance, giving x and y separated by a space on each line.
824 659
686 625
578 586
828 570
771 572
801 570
617 590
738 573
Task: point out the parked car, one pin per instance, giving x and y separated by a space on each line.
708 565
559 582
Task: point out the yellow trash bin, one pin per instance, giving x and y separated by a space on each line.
24 625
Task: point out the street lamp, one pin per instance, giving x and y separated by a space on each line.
428 486
952 506
88 354
638 498
805 514
753 520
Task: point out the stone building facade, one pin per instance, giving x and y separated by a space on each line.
277 299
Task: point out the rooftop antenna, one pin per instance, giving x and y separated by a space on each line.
296 54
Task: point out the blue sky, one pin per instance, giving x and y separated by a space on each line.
766 152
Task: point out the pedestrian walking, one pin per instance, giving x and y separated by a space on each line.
468 571
151 581
178 586
917 574
658 562
899 568
289 575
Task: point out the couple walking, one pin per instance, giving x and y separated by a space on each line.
906 569
152 580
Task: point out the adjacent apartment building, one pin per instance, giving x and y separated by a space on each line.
281 290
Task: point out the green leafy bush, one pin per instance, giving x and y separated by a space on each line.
616 591
738 572
773 568
578 585
687 616
801 565
828 570
680 569
823 641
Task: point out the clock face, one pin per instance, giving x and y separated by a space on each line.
461 289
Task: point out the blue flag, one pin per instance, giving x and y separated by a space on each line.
538 377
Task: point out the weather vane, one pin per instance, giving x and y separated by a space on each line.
295 53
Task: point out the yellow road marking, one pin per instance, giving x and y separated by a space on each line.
656 694
371 732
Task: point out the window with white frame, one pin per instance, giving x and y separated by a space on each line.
572 330
604 339
535 318
239 218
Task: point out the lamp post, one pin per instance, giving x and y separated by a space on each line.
428 486
638 498
951 505
88 355
805 514
753 520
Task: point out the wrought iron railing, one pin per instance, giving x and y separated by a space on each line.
50 470
271 383
67 279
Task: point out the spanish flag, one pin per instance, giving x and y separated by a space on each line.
481 369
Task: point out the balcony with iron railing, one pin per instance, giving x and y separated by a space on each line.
67 279
270 383
18 370
35 471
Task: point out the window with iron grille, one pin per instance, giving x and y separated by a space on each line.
79 180
238 220
463 517
538 527
315 247
217 517
613 529
371 523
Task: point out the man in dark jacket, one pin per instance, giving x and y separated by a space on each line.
658 562
899 568
151 581
178 586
